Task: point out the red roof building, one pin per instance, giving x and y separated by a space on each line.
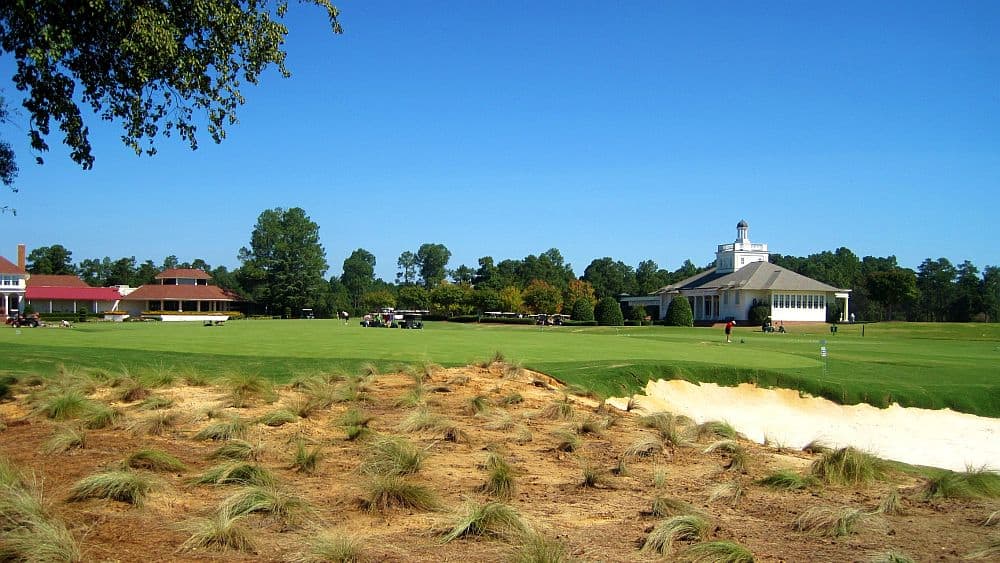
179 290
68 294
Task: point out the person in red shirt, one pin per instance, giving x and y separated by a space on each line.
729 330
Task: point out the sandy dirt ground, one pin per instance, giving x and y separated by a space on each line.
607 523
937 438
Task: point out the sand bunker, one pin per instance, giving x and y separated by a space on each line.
938 438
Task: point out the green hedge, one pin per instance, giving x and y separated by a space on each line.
579 323
464 319
62 316
502 321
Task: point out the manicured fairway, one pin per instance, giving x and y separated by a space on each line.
934 366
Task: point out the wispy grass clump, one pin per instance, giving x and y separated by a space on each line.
645 446
591 425
155 424
497 358
220 531
155 402
475 405
238 450
27 531
970 484
716 428
419 420
101 415
717 552
278 417
731 492
234 428
386 492
993 519
499 420
392 455
414 396
666 425
153 460
269 500
235 473
131 390
490 519
65 405
306 460
500 481
829 522
567 440
593 476
535 548
65 439
848 466
817 447
333 548
195 378
690 527
891 504
664 507
123 486
788 480
246 389
561 409
511 399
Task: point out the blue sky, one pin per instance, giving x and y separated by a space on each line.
642 130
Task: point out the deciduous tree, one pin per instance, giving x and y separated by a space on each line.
359 273
284 265
53 260
432 261
542 297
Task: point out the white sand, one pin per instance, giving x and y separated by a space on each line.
938 438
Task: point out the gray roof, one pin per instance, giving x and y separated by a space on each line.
754 276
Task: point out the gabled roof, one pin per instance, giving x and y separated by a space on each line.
84 293
184 273
8 267
754 276
49 280
180 293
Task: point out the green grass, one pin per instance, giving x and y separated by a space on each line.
830 522
235 473
123 486
490 519
269 500
154 460
220 531
971 484
788 480
717 552
685 527
392 455
915 364
332 548
848 466
383 493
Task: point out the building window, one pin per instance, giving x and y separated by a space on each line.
822 301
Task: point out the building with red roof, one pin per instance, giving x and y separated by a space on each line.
68 294
179 290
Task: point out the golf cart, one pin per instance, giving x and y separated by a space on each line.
23 320
412 319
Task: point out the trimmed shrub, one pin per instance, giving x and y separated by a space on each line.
579 323
758 314
609 313
679 313
582 310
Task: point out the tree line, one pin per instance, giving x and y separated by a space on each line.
283 270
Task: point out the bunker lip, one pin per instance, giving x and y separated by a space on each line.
936 438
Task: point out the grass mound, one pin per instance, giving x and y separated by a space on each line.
717 552
690 527
383 493
63 440
246 389
500 483
235 473
665 507
154 460
220 531
536 548
305 460
392 455
848 466
266 499
123 486
788 480
333 548
65 405
155 424
233 428
490 519
278 417
101 415
971 484
238 450
829 522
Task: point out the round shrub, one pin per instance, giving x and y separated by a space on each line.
758 314
679 312
582 310
609 313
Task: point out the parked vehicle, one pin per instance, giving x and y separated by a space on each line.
23 320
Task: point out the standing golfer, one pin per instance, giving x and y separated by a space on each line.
729 330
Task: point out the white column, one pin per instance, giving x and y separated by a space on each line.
847 299
6 304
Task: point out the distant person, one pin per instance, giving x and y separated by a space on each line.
729 330
852 318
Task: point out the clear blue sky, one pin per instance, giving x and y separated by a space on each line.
640 130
